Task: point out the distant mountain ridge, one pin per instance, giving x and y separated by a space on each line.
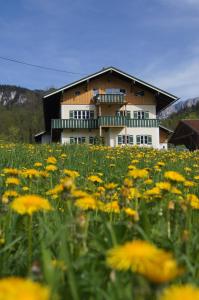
179 106
14 95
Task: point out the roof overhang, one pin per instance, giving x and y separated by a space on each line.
113 69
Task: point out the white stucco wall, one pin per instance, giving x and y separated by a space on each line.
66 108
154 132
67 133
163 146
111 134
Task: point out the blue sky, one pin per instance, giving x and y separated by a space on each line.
155 40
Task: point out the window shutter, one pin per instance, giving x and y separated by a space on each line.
138 139
146 115
71 114
131 139
92 114
128 114
135 114
71 140
119 139
149 140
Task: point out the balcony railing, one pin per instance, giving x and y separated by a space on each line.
109 121
104 121
74 123
110 98
142 122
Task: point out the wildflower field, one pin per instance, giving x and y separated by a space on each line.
92 222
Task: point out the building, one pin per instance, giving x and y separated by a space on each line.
109 106
187 134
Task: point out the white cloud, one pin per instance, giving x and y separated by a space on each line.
183 81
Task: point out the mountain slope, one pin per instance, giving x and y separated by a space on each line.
188 109
21 114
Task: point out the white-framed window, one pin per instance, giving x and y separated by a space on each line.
91 140
123 113
144 139
141 114
81 114
77 140
125 139
115 91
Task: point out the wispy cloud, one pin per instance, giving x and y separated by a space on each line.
182 80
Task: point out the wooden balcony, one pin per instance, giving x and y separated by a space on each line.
103 121
74 123
110 99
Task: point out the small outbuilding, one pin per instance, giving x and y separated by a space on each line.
186 133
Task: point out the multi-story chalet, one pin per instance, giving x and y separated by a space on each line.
109 106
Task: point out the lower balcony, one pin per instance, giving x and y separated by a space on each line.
109 121
74 123
103 121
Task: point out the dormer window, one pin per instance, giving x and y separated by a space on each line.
139 94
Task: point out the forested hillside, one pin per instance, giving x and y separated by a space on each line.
21 114
187 112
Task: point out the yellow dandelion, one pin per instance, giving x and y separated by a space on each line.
56 190
110 186
12 181
155 191
138 173
132 213
51 168
95 179
141 257
193 201
134 193
28 204
189 183
111 207
87 203
71 173
29 173
174 176
51 160
180 292
11 171
13 288
165 186
37 164
8 194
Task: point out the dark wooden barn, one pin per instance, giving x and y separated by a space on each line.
186 133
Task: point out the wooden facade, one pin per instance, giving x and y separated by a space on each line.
83 93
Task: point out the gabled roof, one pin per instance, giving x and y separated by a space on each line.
186 133
165 128
193 124
105 70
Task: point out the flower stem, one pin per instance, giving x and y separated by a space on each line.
29 242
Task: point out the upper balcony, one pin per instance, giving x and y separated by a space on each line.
110 99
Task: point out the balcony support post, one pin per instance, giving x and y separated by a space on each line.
125 125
